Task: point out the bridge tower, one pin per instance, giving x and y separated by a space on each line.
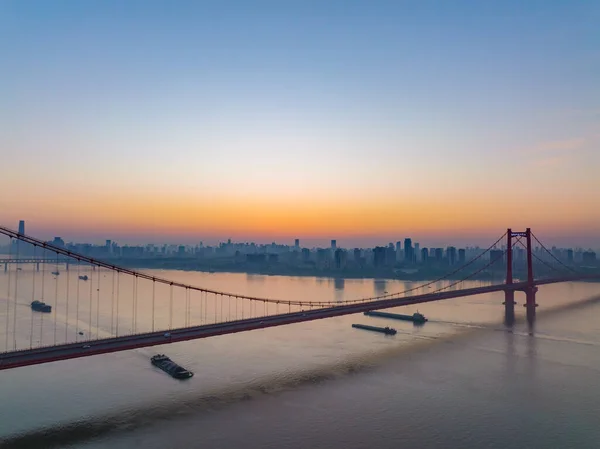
509 294
530 289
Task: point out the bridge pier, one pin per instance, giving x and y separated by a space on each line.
67 266
5 267
509 307
37 266
530 303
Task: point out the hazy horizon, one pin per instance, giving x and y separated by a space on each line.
360 241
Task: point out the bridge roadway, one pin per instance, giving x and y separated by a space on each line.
85 348
48 261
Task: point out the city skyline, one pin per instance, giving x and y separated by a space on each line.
347 120
397 242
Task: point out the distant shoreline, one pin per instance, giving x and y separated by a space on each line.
391 275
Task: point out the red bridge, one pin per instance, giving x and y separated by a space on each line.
200 312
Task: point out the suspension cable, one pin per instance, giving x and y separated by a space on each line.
542 261
68 253
552 255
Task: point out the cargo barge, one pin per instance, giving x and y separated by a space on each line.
170 367
383 330
39 306
415 317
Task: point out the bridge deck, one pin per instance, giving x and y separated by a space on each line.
46 354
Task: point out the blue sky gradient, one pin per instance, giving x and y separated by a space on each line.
493 107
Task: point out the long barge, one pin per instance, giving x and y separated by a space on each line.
415 317
170 367
383 330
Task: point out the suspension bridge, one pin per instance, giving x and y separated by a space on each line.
98 307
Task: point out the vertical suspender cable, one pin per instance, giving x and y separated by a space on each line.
112 305
153 301
67 307
56 301
16 298
33 297
134 282
118 288
171 306
89 336
8 266
98 305
42 298
77 302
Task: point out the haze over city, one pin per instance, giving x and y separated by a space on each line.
269 121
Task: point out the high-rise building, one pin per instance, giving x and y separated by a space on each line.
570 255
22 227
408 250
425 256
297 243
340 258
451 254
462 256
357 256
334 245
379 256
417 252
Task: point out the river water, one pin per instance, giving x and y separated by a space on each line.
461 380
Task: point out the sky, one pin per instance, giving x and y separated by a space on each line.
365 121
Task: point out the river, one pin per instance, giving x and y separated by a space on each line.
461 380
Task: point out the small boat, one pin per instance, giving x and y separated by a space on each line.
170 367
40 306
55 273
383 330
83 278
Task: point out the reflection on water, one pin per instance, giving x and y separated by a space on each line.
380 286
461 380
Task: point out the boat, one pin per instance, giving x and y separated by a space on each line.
40 306
415 317
170 367
55 273
84 278
383 330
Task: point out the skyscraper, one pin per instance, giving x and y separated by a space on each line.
22 227
333 245
408 250
297 243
